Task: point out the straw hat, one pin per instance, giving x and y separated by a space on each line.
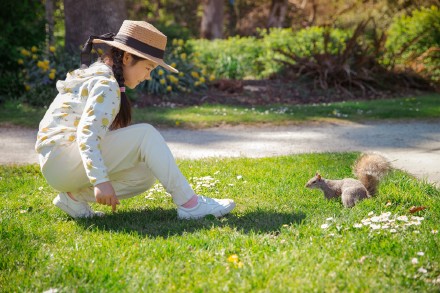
141 39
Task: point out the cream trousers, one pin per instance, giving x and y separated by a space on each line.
135 157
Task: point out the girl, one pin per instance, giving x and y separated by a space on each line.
86 149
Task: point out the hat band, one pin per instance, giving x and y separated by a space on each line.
140 46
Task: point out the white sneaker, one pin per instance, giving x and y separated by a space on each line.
75 209
206 206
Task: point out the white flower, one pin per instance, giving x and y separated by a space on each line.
329 219
393 230
375 226
403 218
40 188
357 225
325 226
421 253
434 231
414 261
371 213
239 177
422 270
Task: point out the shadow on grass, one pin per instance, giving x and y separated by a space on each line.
157 222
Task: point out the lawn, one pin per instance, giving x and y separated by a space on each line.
281 237
418 107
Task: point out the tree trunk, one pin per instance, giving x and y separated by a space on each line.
91 17
49 23
212 20
277 14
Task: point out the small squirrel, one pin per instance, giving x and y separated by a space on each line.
369 169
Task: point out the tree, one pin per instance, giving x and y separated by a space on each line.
86 17
212 20
277 15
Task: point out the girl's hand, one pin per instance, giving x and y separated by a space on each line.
105 194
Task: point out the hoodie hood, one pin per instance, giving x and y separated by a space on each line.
79 76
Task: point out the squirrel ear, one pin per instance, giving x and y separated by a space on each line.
318 175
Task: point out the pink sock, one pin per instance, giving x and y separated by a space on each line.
191 203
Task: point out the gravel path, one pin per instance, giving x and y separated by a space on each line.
413 146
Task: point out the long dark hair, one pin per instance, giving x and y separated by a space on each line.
123 118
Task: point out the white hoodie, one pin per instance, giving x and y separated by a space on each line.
82 113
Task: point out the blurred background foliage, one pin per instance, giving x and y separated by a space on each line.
402 35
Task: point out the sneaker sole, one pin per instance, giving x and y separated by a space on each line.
218 214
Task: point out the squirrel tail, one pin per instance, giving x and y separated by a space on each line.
369 169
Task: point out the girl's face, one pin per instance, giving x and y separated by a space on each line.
136 72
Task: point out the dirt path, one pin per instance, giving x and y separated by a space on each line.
413 146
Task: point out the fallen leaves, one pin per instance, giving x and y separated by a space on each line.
415 209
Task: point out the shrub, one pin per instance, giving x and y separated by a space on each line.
415 41
302 43
190 77
354 65
234 58
41 68
22 24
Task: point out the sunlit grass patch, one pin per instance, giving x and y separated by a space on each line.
280 237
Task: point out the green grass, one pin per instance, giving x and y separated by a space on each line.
418 107
275 233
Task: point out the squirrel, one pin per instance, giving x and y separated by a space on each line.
369 169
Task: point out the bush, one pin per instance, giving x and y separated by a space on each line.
415 41
354 64
41 68
254 57
22 24
190 77
234 58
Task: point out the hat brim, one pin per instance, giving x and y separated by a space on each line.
137 53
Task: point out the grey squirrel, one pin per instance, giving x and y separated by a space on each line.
369 169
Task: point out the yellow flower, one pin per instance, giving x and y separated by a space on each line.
35 57
197 83
195 74
52 49
233 258
183 56
196 54
175 42
173 79
25 52
52 75
181 42
204 71
177 123
173 64
169 88
100 52
211 77
202 79
34 49
53 70
27 87
181 74
20 61
160 72
162 81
